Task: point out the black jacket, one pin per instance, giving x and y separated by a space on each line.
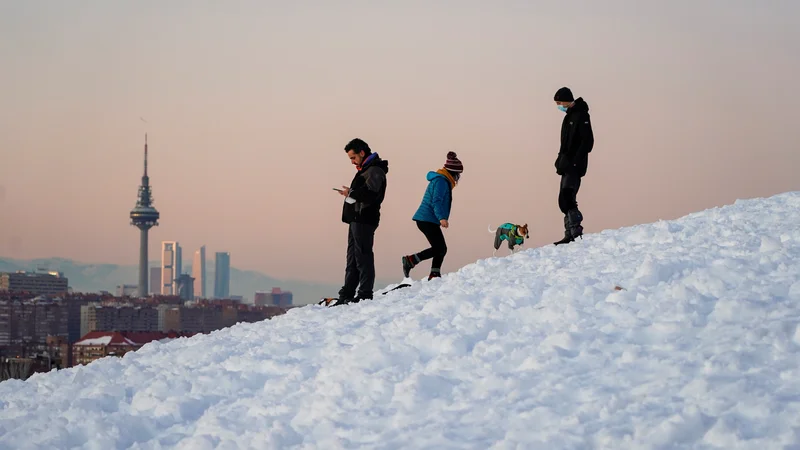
577 140
368 189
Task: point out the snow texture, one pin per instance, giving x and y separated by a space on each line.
676 334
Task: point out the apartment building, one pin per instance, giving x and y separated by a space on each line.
40 283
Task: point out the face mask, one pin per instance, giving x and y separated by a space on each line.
562 108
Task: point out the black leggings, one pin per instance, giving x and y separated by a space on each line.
438 248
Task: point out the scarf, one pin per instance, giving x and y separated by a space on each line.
449 177
366 161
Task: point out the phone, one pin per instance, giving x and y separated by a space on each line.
337 189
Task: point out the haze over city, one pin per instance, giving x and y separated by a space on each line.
248 106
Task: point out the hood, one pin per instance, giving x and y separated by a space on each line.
433 174
580 105
375 160
439 173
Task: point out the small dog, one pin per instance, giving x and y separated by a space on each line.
514 234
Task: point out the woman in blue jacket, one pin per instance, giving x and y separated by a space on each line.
433 213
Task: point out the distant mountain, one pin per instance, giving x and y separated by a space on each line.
87 277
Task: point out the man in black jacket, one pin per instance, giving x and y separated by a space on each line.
362 212
577 140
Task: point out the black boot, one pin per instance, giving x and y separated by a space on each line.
574 219
565 240
567 236
572 226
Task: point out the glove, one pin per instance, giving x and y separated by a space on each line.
562 164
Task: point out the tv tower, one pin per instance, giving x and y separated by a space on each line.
144 216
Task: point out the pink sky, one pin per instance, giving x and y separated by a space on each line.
249 105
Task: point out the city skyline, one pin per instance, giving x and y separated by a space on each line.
246 149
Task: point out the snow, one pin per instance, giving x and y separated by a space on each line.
698 348
102 340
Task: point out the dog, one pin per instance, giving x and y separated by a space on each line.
513 233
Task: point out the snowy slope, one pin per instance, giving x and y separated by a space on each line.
534 351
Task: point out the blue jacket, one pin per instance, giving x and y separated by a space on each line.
437 200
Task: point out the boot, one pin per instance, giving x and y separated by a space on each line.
565 240
434 274
567 235
408 263
572 226
574 219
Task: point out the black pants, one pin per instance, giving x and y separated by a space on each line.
567 196
438 248
360 269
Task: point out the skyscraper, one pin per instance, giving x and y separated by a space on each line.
222 275
155 280
170 267
199 272
144 216
185 286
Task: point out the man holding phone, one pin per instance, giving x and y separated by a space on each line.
362 212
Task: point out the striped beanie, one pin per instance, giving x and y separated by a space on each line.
453 164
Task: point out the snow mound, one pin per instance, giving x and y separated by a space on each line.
676 334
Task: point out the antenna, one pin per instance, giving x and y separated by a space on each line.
145 147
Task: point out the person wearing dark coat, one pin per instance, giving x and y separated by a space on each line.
362 212
433 214
577 141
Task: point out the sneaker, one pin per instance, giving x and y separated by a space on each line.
408 264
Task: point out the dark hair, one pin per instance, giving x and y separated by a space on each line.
564 95
357 145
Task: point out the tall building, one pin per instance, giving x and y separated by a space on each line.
155 280
185 285
199 272
170 267
222 275
144 216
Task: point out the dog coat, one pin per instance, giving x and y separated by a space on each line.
509 230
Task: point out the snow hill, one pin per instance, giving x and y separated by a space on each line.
699 349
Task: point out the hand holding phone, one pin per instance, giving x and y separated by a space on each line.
347 199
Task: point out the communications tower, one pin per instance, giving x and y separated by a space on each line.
144 216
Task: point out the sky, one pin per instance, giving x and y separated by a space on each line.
248 105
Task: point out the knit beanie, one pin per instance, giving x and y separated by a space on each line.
453 164
564 95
